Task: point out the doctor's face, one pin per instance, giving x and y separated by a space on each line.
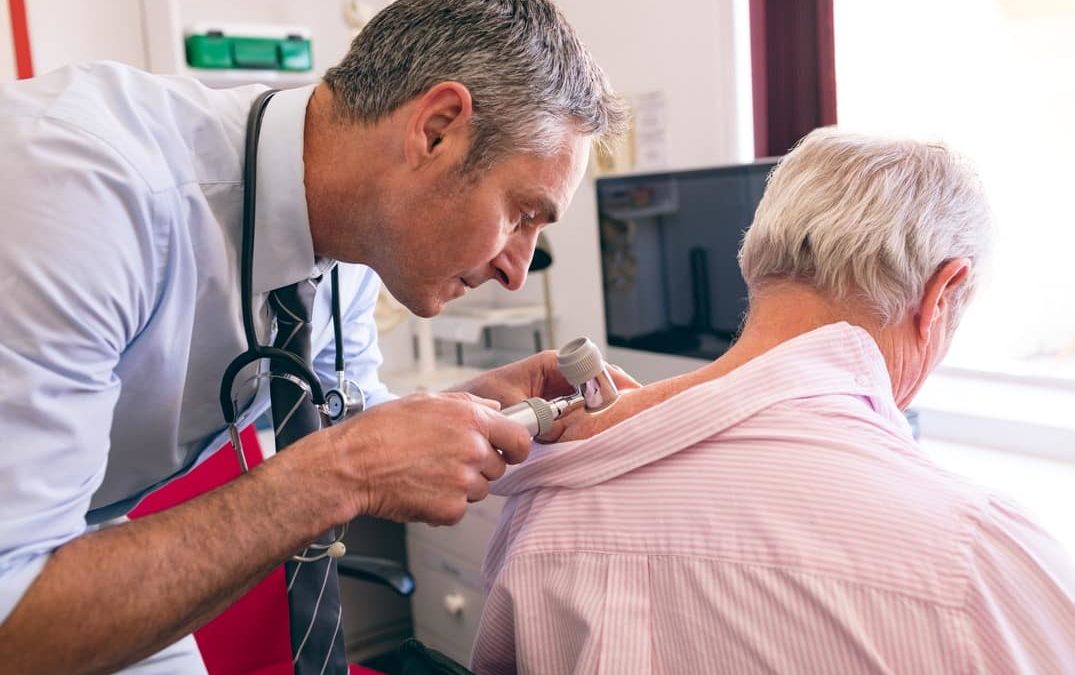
452 232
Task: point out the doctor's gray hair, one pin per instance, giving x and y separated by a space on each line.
868 218
529 76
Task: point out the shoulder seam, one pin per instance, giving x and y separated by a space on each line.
955 606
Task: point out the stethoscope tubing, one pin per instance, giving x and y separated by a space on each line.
254 351
297 371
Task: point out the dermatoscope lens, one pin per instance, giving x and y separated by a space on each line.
584 367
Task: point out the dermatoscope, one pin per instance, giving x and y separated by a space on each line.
584 368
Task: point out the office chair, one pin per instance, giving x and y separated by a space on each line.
252 636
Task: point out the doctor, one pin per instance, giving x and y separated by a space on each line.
431 156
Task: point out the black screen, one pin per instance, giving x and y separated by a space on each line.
669 245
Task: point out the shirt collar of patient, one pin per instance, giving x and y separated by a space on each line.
283 247
834 360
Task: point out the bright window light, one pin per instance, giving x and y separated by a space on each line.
994 80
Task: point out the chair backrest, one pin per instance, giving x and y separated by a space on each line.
251 637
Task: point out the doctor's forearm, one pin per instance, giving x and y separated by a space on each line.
108 599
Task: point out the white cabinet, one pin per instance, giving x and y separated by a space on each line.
446 564
375 618
446 561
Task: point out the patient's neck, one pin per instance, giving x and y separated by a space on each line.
779 312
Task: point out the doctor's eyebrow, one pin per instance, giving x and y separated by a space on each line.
548 210
552 211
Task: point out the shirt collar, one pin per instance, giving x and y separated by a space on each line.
834 359
283 247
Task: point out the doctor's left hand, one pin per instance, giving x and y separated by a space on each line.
537 375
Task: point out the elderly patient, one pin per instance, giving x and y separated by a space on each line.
771 512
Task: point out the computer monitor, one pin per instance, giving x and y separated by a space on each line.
669 245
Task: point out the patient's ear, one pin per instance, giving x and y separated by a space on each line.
934 310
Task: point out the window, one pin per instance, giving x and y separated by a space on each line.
995 80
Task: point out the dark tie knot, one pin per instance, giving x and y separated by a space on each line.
292 304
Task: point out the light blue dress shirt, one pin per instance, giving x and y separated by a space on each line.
121 203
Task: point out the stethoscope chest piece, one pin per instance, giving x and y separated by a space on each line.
344 400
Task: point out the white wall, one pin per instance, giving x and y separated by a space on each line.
684 49
64 32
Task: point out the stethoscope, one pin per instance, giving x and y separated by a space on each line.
333 405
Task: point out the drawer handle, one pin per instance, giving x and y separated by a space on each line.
454 603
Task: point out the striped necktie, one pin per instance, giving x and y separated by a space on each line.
313 588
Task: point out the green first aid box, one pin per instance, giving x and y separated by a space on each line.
216 50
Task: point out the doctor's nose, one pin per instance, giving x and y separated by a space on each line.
513 262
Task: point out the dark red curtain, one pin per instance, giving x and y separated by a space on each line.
794 71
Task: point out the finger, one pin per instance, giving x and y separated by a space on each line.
493 467
560 426
554 433
621 379
547 381
509 437
487 402
449 513
478 492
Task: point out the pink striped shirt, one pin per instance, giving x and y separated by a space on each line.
779 519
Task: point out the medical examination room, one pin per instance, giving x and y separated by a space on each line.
537 336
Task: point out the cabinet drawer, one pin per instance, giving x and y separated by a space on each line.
468 538
447 601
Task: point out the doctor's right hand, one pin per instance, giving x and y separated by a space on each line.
425 456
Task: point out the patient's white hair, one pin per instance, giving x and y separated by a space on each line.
867 218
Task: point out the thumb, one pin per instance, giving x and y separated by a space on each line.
621 379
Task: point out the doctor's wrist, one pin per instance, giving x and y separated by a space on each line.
342 459
306 476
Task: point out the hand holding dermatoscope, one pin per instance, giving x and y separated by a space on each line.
584 368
